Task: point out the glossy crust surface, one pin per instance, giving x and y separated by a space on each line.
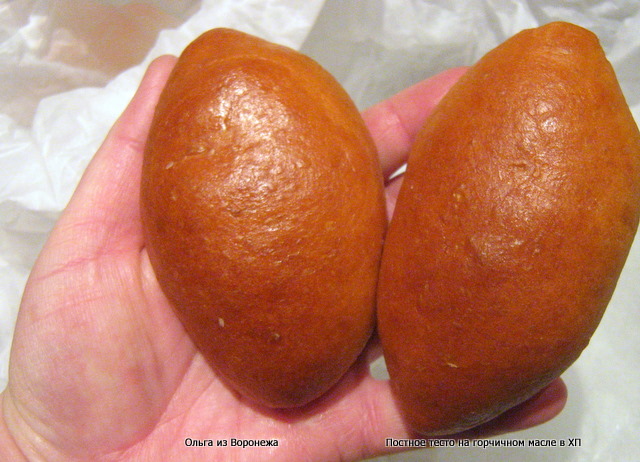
263 209
518 208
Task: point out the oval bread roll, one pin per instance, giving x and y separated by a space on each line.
518 208
263 210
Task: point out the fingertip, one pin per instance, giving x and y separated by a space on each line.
155 77
133 124
547 404
537 410
161 66
541 408
164 60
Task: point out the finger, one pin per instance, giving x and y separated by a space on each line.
104 208
395 122
540 408
381 418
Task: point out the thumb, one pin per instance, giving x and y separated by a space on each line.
103 213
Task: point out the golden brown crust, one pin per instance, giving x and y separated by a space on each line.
517 211
263 210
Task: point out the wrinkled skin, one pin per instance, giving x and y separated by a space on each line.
102 370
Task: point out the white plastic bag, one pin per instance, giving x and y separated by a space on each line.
63 83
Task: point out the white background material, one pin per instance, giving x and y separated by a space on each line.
68 68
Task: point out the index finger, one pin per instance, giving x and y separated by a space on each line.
394 122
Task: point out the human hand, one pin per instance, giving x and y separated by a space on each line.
102 370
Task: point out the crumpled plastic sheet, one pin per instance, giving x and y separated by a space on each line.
69 67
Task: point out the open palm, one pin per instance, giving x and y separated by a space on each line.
101 369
